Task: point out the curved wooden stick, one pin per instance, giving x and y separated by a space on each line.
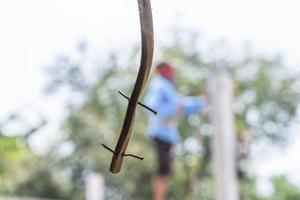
142 77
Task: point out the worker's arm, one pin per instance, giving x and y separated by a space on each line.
192 104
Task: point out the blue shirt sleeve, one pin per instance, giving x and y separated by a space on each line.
192 104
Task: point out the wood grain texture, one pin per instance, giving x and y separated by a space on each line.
146 24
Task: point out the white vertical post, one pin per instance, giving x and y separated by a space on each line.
223 143
94 189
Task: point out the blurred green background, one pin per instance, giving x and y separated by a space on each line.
266 99
266 105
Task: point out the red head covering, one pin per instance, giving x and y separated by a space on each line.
166 70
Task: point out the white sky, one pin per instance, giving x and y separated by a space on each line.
33 32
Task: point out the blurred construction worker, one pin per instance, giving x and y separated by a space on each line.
163 97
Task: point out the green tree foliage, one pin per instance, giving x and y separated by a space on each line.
283 189
24 173
16 159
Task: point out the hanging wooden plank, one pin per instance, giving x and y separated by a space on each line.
146 24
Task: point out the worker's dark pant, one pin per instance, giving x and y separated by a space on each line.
163 155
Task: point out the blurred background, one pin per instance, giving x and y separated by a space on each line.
62 63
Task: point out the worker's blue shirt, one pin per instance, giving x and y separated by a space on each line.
163 97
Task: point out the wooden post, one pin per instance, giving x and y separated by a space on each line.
94 187
220 88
